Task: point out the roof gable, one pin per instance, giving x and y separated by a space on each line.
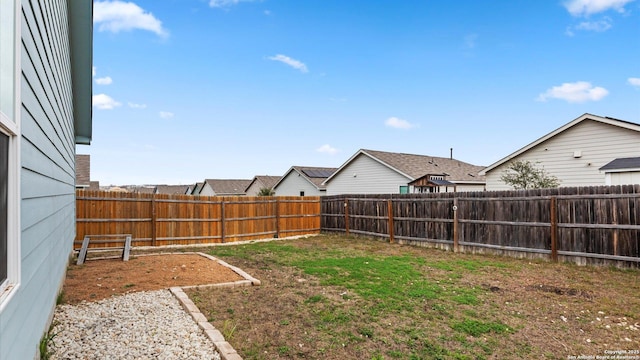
264 181
605 120
313 175
228 186
172 189
413 166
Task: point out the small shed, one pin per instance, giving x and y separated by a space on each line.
622 171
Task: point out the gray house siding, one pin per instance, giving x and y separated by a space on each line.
47 177
596 144
366 176
294 183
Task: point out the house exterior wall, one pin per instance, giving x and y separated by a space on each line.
254 188
293 183
598 144
622 178
371 177
47 177
207 190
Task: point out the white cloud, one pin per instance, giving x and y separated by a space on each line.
588 7
291 62
166 114
397 123
116 16
226 3
634 81
327 149
93 71
137 106
577 92
597 26
104 81
104 102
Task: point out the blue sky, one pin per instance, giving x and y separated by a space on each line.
191 89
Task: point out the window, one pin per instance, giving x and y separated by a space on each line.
4 177
301 193
404 189
9 151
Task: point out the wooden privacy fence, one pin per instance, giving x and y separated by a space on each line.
585 225
156 219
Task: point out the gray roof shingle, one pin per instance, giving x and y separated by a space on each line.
267 181
228 186
416 166
172 189
623 163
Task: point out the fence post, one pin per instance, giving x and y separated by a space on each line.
390 213
455 225
346 216
554 228
277 218
222 220
616 231
154 216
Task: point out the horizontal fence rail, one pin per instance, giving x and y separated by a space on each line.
595 225
158 219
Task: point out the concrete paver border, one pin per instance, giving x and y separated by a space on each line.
226 351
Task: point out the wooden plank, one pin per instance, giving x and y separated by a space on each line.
456 233
505 223
599 226
222 222
600 256
390 215
554 228
127 248
83 251
616 231
277 224
154 224
346 216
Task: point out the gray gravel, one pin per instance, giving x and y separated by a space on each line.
142 325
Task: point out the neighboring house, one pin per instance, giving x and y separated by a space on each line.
303 181
145 189
197 188
578 153
45 110
83 172
380 172
173 189
224 187
260 182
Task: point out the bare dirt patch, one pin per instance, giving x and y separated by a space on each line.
99 279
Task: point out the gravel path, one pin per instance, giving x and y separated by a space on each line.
142 325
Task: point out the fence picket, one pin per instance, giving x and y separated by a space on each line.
588 225
156 220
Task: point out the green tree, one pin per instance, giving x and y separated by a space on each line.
266 192
526 175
